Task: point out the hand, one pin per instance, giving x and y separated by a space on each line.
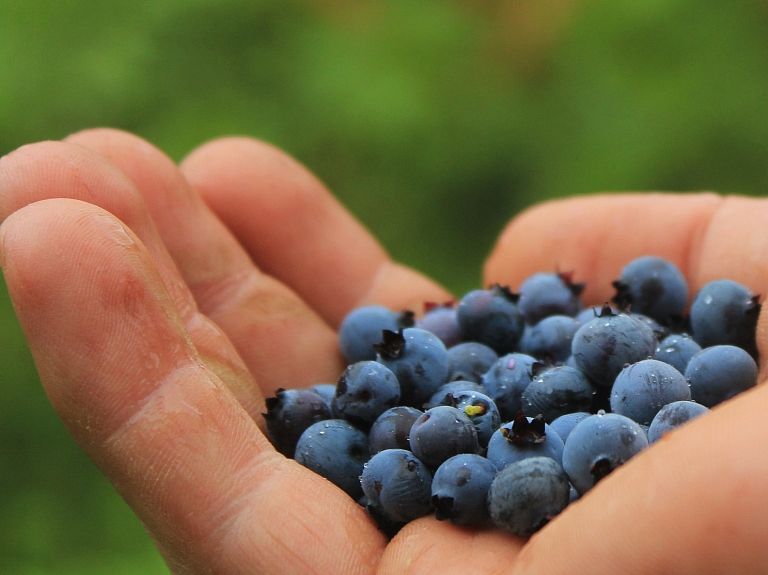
148 314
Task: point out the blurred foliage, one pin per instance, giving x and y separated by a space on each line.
434 122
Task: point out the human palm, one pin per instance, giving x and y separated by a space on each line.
162 304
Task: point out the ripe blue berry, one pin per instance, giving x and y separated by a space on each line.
550 339
480 409
674 415
654 287
418 359
605 344
362 328
453 387
491 317
289 413
725 313
557 391
391 429
506 381
526 495
441 320
522 438
365 390
397 485
440 433
677 350
545 294
460 489
719 372
643 388
598 445
336 450
468 361
564 424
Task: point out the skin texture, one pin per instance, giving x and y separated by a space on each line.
157 301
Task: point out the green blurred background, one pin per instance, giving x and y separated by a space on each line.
434 122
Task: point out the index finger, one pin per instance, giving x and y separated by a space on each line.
705 235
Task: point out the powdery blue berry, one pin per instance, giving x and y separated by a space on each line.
598 445
440 433
460 489
604 345
719 372
643 388
725 312
557 391
397 485
677 350
674 415
336 450
653 286
527 495
545 294
391 429
491 317
506 381
365 390
418 359
362 327
523 438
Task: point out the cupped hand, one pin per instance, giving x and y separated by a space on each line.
162 304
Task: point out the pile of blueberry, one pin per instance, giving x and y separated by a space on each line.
507 406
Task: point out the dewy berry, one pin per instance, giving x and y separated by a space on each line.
470 394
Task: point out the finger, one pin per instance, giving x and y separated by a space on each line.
431 546
119 367
282 341
707 236
58 170
297 232
694 502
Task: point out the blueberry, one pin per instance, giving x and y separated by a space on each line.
440 433
365 390
550 339
643 388
545 294
397 485
507 380
598 445
336 450
491 317
362 328
677 350
452 387
289 413
460 489
654 287
441 320
557 391
526 495
480 409
674 415
719 372
327 390
523 438
418 359
564 424
588 314
391 429
725 313
602 346
468 361
659 331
